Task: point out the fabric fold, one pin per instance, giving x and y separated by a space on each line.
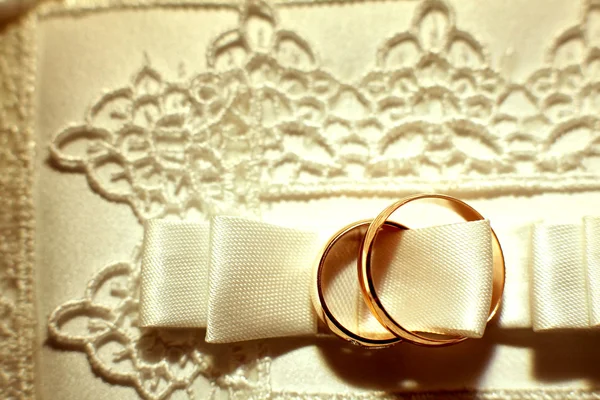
175 273
558 279
565 276
260 281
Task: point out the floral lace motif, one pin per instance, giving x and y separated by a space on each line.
156 363
267 115
268 121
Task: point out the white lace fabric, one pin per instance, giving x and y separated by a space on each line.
298 112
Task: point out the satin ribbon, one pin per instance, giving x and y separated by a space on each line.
552 276
244 279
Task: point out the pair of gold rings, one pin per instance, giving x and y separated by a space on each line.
397 333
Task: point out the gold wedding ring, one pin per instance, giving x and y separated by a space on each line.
397 333
365 276
324 313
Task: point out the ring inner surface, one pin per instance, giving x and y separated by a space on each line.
340 287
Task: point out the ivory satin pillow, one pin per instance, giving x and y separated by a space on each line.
299 113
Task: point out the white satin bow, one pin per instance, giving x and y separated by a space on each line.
244 279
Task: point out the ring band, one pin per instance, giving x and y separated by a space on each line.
365 277
324 312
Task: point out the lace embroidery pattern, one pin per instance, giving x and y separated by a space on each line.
267 121
267 118
16 217
157 363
